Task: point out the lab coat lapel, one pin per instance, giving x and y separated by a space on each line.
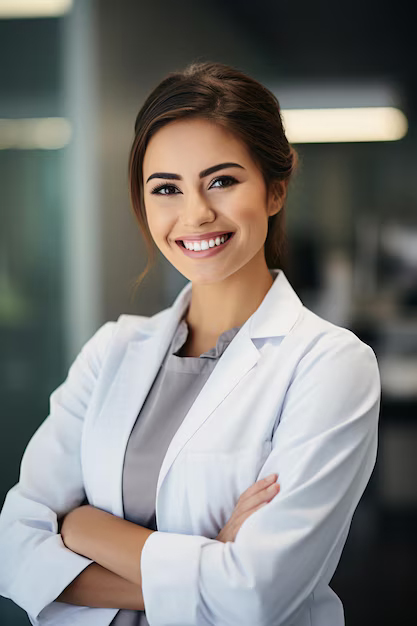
275 316
238 358
131 384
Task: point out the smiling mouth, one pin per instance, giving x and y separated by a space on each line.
227 237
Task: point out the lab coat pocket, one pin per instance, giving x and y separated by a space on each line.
216 480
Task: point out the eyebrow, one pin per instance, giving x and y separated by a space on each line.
206 172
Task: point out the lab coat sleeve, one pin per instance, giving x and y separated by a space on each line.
324 451
36 566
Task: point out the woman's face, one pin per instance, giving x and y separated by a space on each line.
184 200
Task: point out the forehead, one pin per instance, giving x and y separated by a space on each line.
195 143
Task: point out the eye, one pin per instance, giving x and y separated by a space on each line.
158 188
231 179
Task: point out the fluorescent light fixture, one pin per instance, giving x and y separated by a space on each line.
48 133
323 112
11 9
344 124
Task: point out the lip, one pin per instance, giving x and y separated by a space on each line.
213 235
203 254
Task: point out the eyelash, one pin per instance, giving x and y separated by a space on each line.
159 187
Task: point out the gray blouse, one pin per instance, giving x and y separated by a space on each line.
179 381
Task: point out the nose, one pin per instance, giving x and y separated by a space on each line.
196 210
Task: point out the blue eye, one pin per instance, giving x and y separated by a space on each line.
156 190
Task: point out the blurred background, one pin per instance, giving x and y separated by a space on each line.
73 76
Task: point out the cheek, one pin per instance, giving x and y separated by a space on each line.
159 222
248 207
253 218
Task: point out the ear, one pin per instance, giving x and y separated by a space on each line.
277 197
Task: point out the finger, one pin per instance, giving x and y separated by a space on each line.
260 496
247 508
254 490
258 486
238 520
265 495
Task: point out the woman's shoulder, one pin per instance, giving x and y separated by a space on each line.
319 335
129 328
126 328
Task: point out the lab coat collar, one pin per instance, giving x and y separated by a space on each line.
275 316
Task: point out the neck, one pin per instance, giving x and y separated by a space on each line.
216 307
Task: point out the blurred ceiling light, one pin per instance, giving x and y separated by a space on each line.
48 133
323 112
11 9
344 124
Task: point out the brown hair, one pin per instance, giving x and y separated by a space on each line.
235 101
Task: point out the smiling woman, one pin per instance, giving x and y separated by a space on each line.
170 425
200 201
210 159
193 118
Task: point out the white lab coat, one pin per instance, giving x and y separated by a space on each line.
292 394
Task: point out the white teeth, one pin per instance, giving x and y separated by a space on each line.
204 245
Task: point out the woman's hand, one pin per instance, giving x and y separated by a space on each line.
251 500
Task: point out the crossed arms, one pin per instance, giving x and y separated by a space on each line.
115 545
